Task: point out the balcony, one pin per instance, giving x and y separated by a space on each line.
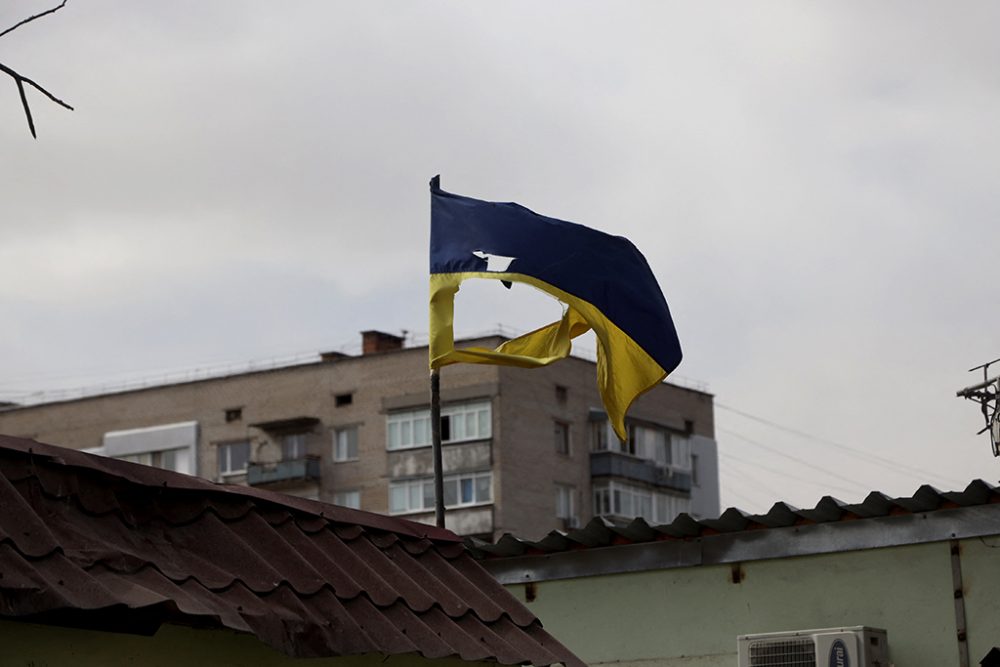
294 470
626 466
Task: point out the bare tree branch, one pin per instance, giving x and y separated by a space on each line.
21 80
32 18
36 86
27 109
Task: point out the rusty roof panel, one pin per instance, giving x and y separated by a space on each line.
118 546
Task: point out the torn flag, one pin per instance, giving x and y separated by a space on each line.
603 280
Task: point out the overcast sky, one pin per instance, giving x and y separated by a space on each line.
814 185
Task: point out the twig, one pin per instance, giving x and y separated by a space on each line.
32 18
27 109
33 84
21 80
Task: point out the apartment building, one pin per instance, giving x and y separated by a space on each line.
525 451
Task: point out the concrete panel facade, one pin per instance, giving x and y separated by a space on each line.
315 401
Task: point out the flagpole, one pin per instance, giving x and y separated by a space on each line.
436 441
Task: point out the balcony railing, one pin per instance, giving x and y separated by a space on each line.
283 471
617 464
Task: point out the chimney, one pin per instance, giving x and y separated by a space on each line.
379 341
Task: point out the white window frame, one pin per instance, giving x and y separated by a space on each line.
566 503
461 422
298 443
418 494
350 498
223 451
650 442
164 459
166 446
342 444
628 501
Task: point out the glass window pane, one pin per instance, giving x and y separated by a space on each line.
662 510
471 423
397 498
393 435
405 434
467 496
562 501
643 507
428 491
242 455
450 492
627 506
168 459
347 444
484 488
599 495
350 499
484 423
416 495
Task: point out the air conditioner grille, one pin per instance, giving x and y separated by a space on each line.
783 653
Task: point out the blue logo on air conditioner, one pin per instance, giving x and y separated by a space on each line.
838 654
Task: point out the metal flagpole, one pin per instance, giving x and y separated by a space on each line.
436 440
436 427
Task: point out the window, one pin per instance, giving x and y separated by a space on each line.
234 414
166 459
167 446
293 447
145 458
654 443
350 499
417 495
233 457
628 501
561 393
561 433
602 437
566 505
467 421
341 400
649 442
345 444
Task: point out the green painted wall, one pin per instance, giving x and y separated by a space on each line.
30 645
981 579
692 616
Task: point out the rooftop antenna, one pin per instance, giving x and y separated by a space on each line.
986 393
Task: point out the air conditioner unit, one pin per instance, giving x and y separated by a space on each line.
856 646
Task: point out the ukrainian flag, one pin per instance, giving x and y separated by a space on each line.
603 280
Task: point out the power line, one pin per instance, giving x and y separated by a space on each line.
893 465
730 457
742 475
739 496
732 488
774 450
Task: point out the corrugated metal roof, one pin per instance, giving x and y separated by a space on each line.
601 532
104 544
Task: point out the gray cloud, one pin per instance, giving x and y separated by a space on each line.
814 186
